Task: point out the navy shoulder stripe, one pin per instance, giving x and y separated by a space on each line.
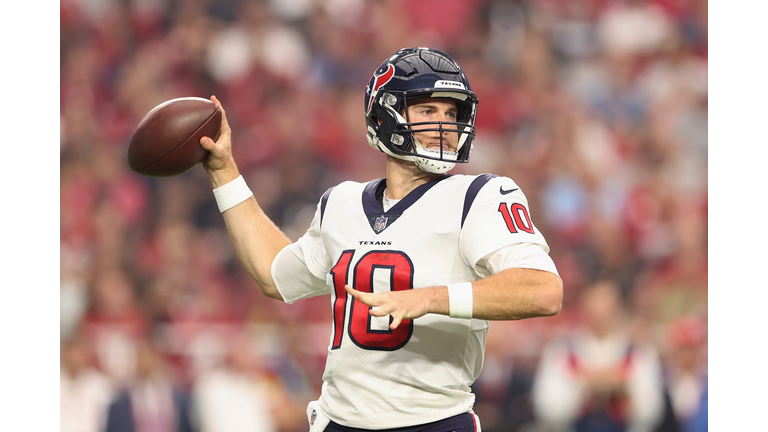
324 202
472 191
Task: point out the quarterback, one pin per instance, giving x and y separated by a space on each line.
414 264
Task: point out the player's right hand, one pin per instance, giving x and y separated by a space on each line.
220 164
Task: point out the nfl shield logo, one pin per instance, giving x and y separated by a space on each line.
313 418
380 224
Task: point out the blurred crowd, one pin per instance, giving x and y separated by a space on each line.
596 108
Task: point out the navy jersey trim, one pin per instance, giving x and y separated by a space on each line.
377 217
472 191
324 202
465 422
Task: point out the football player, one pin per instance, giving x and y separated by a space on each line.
414 264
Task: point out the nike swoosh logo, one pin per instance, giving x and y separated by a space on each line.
503 192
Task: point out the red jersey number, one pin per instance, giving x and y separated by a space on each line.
360 329
516 217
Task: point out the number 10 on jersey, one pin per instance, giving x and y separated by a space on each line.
359 322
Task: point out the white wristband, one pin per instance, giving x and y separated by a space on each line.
232 194
460 300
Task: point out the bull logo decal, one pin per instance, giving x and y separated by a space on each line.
378 81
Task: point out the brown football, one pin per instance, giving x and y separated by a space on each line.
167 140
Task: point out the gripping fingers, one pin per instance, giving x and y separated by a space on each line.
220 159
225 131
207 143
224 123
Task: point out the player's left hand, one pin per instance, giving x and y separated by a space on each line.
401 305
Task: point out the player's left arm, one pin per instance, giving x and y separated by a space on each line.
499 241
512 294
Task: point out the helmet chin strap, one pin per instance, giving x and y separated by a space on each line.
431 165
428 165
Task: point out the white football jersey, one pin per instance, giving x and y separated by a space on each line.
377 378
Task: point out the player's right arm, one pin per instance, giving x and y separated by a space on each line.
256 238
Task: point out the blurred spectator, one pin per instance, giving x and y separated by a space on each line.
153 401
244 395
114 322
597 379
633 27
700 420
85 391
502 392
686 370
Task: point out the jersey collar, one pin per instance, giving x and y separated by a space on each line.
373 193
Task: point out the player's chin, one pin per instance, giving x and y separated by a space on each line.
450 144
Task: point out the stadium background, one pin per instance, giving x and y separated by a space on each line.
597 108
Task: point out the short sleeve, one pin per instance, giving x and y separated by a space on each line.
518 255
497 216
299 270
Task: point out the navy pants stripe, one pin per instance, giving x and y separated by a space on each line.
458 423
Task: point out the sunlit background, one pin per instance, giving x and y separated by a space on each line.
597 108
